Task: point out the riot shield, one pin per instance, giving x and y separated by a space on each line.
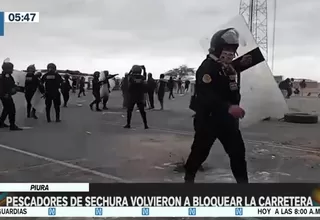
260 95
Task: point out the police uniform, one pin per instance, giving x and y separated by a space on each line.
32 83
65 89
96 84
216 90
52 83
82 84
152 85
124 88
7 89
137 89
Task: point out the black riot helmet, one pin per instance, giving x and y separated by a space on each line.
136 69
38 74
7 67
31 69
51 67
227 38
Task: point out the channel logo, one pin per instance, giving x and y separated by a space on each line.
3 198
316 196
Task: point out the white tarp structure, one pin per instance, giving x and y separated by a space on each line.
104 90
260 95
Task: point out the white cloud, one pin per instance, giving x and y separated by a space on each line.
92 35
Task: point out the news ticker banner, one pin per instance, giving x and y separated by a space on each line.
17 17
160 212
159 200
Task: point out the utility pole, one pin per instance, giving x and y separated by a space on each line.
255 13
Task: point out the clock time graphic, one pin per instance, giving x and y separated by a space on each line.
17 17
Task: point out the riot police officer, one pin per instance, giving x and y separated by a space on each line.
8 88
96 84
52 83
216 103
137 89
65 90
32 83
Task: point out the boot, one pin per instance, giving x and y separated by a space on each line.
105 105
33 114
58 116
129 115
48 116
144 119
97 107
28 112
189 178
15 128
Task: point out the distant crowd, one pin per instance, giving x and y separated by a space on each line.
288 87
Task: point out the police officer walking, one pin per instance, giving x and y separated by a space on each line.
137 89
32 83
52 82
152 85
124 88
65 90
216 103
96 84
8 88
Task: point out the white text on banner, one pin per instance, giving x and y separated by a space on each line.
160 212
44 187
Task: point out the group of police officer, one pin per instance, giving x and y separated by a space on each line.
215 101
49 85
